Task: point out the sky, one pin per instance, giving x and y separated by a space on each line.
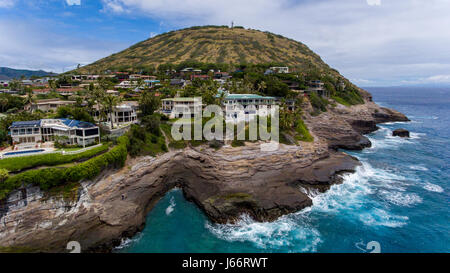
371 42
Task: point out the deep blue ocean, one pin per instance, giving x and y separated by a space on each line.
400 197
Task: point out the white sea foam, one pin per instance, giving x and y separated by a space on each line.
400 199
353 196
171 207
433 187
353 199
380 217
388 141
126 242
288 231
413 135
418 168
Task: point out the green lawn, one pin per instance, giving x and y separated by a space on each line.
15 164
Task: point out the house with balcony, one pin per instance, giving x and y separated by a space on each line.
48 105
280 69
317 87
123 114
177 107
73 132
250 105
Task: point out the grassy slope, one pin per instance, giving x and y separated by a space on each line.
213 45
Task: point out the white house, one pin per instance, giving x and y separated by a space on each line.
30 133
280 69
122 115
176 107
238 106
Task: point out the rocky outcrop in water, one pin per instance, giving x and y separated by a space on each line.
401 133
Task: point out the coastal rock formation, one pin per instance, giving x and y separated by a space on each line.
343 127
401 133
224 183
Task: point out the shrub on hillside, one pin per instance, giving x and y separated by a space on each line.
15 164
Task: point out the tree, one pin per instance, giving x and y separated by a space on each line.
15 85
261 86
53 85
4 174
148 103
275 87
109 102
3 103
286 116
152 123
29 99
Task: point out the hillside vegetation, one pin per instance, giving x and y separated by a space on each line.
211 44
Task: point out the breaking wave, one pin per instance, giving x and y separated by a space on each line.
290 231
418 168
433 187
171 207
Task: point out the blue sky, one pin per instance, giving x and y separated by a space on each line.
371 42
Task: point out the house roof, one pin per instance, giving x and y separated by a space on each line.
23 124
182 99
67 122
76 123
246 96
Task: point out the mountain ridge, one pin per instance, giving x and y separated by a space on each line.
7 73
212 44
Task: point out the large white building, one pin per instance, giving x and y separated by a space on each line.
73 132
176 107
48 105
248 104
122 115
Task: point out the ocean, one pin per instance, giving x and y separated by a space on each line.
399 197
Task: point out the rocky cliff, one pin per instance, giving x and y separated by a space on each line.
223 183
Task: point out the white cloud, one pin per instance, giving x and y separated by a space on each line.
399 40
384 45
373 2
33 45
73 2
7 3
436 79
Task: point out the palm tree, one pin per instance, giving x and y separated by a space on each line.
3 103
109 102
29 99
261 86
286 117
53 85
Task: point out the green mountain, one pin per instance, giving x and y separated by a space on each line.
211 44
10 73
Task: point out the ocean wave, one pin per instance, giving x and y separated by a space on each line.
171 207
400 199
383 139
126 242
418 168
288 231
380 217
353 200
433 187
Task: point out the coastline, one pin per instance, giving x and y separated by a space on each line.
224 184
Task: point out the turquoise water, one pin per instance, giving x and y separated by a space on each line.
399 198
